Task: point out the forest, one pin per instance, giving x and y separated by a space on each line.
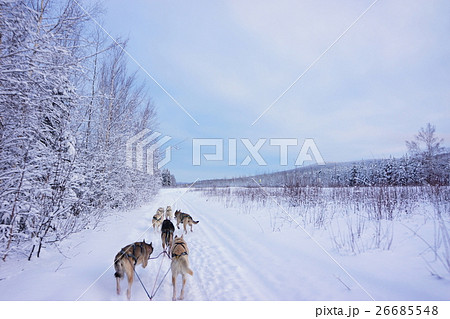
68 104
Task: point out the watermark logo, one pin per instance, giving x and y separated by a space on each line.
308 151
143 148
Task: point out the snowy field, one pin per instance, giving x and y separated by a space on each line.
237 252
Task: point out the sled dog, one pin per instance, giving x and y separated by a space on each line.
158 218
185 219
180 264
169 214
167 230
126 261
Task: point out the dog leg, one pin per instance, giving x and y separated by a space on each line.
182 287
174 284
130 282
118 285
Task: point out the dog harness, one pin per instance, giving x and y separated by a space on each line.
132 255
183 216
179 255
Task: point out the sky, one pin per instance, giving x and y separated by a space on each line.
362 86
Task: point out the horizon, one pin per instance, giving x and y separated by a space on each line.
312 165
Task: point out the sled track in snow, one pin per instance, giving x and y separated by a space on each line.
220 260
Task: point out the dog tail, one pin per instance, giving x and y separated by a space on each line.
186 267
118 267
195 222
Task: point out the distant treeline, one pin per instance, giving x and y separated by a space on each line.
427 163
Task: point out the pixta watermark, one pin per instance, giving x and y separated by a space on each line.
143 151
143 148
308 151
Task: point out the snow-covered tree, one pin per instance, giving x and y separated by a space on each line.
63 125
168 179
427 150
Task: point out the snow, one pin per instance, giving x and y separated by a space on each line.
234 256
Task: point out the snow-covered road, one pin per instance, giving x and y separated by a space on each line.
234 256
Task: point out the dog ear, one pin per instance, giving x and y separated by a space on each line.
143 241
